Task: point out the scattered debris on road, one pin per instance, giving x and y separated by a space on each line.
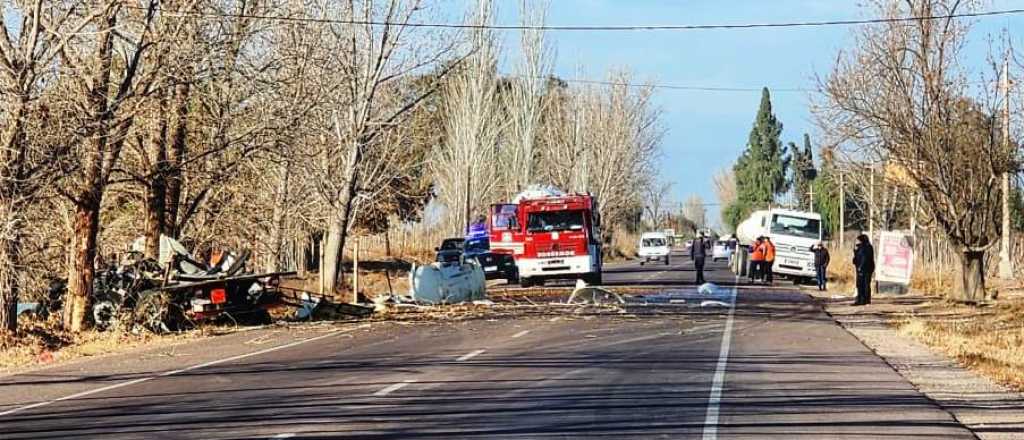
584 294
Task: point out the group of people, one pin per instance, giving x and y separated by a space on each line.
762 259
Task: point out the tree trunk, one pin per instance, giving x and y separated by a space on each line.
337 234
338 229
81 273
972 279
277 219
9 262
155 212
175 158
156 189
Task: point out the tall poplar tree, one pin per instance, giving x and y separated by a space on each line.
761 169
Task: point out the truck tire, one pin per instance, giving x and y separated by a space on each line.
525 282
512 276
642 262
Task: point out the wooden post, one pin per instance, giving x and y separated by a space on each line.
913 216
871 204
355 271
842 211
322 267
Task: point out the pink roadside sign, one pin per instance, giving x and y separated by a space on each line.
895 258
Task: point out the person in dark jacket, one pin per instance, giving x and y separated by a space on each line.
821 259
864 261
698 252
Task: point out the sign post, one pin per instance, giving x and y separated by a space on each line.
895 260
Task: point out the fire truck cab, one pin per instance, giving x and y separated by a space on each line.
551 237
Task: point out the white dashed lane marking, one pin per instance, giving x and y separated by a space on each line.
394 387
470 355
520 334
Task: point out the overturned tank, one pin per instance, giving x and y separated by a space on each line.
447 283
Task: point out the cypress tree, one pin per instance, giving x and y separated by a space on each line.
761 171
804 172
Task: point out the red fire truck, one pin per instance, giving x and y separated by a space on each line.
550 236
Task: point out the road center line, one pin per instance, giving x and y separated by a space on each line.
520 334
393 387
470 355
173 372
715 399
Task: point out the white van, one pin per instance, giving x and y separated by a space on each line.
654 246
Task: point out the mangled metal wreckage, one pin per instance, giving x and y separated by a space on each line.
176 290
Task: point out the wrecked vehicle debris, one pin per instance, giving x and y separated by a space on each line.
175 291
585 294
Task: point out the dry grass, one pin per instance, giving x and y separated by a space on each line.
927 279
989 340
624 245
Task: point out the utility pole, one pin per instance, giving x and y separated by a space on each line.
1005 262
469 187
842 210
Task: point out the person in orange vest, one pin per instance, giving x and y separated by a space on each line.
756 259
769 258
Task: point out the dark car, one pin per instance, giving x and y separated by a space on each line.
450 250
495 265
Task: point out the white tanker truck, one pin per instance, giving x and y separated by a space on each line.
793 232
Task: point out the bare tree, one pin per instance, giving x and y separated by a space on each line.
525 98
695 211
656 202
902 97
106 74
465 166
369 58
603 140
29 158
725 187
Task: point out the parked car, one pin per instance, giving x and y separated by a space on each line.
654 246
450 250
495 265
723 250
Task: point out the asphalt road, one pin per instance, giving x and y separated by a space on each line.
677 364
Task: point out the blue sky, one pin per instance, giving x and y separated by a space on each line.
706 131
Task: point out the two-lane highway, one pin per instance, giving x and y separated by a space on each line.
774 366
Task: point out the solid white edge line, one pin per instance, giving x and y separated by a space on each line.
171 373
520 334
715 398
470 355
393 387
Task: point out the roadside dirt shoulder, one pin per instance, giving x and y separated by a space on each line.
992 411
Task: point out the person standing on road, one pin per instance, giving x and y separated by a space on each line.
821 259
864 261
697 253
756 259
769 259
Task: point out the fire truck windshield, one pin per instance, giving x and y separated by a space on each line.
555 221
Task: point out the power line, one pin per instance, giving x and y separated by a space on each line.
681 87
591 28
